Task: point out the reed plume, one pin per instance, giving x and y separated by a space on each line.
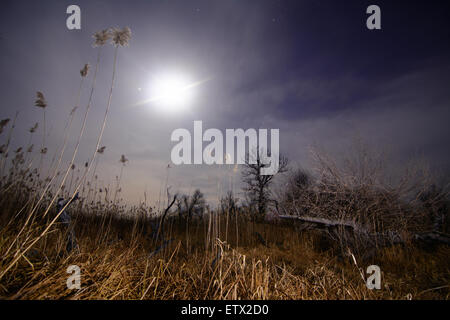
85 70
41 103
3 124
123 160
101 37
34 128
101 150
40 100
121 37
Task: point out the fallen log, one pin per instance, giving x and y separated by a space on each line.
433 237
379 239
322 222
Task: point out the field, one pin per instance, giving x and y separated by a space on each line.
311 237
215 257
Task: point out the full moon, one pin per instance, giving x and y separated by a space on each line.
171 91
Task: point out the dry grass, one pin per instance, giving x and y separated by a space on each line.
221 255
293 265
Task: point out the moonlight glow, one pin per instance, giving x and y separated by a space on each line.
172 91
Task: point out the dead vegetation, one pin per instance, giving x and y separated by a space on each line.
326 228
118 258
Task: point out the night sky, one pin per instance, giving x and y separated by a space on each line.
310 68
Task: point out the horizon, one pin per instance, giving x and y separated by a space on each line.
312 70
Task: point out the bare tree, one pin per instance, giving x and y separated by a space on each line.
257 185
190 205
296 188
229 203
